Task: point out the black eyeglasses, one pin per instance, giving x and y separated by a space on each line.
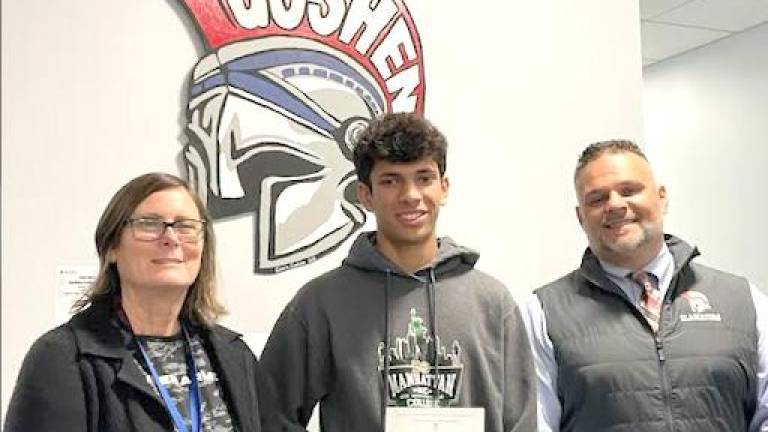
187 230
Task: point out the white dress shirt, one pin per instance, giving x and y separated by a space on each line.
663 266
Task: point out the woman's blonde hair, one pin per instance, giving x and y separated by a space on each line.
201 306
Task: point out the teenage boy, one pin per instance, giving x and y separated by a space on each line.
406 320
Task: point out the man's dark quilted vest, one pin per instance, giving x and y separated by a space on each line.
698 374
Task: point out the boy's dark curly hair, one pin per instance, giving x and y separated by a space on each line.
398 137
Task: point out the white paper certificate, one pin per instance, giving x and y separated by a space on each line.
401 419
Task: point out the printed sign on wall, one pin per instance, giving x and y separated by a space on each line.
275 106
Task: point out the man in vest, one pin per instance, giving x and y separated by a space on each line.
640 337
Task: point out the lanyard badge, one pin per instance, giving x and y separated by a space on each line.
195 418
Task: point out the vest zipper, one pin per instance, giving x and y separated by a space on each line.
662 369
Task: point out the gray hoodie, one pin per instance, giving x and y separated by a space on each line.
349 329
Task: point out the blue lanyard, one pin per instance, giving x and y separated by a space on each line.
194 396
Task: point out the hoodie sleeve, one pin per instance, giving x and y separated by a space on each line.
297 362
519 375
49 393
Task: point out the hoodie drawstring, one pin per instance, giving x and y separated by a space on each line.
385 396
433 327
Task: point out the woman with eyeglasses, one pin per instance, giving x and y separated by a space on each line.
143 352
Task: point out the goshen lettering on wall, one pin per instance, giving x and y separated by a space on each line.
275 108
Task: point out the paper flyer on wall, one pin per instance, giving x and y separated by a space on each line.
71 282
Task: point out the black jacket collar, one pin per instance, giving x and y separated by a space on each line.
98 332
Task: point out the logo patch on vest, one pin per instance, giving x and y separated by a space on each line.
701 309
413 380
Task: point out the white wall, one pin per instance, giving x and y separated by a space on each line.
93 95
705 130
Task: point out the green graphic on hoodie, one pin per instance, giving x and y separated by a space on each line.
413 379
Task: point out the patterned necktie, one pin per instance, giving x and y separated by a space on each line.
650 299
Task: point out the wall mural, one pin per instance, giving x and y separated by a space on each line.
275 106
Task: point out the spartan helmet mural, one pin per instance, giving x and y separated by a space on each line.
272 120
271 131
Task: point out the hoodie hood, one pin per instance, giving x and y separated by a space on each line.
450 257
